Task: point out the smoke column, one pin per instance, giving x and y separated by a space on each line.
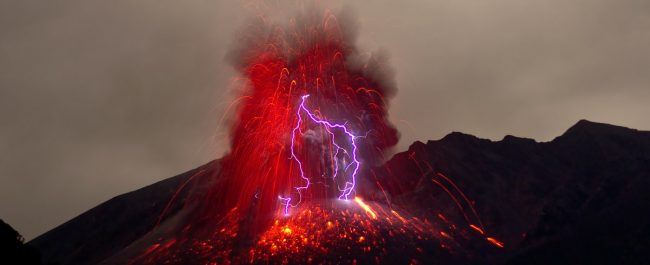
311 115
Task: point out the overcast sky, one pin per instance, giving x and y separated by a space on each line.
98 98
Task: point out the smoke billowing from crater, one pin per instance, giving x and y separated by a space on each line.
296 76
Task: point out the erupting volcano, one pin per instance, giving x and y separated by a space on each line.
310 174
312 116
303 182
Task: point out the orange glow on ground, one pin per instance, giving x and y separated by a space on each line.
287 230
315 234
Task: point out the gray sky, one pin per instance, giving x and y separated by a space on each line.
98 98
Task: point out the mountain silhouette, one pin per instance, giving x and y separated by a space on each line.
13 250
582 198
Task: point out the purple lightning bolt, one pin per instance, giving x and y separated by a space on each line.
349 185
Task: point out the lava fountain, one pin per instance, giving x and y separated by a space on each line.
312 114
311 125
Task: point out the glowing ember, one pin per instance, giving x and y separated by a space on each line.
495 242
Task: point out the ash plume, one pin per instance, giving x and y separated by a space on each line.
312 53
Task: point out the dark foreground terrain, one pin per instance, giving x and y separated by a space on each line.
582 198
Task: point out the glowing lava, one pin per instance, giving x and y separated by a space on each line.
366 207
360 232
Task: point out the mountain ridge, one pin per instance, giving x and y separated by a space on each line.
530 193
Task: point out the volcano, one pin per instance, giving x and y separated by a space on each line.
582 198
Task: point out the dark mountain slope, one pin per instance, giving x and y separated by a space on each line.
583 198
111 226
13 250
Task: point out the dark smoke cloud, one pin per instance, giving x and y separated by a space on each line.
298 32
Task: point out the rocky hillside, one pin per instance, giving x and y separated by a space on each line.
582 198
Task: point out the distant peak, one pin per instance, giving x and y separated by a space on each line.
595 128
459 137
588 123
514 139
416 144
